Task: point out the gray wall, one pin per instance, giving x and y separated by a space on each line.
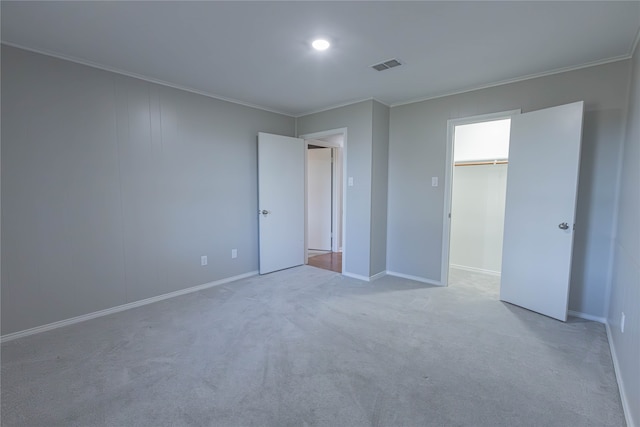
379 182
417 152
625 284
357 118
112 188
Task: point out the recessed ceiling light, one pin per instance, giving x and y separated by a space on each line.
320 44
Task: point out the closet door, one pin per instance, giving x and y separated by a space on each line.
544 159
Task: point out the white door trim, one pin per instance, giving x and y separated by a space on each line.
448 181
343 149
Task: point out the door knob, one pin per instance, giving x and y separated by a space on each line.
563 226
264 212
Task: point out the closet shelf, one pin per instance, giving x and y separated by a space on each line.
484 162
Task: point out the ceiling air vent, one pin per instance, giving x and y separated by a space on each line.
386 65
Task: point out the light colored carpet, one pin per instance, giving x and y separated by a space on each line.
308 347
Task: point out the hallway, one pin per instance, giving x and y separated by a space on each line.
328 261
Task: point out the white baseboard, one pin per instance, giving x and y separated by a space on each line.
626 405
587 316
365 278
476 270
377 276
415 278
105 312
356 276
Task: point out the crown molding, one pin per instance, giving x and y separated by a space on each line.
517 79
634 45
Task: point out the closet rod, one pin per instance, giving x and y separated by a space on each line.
489 162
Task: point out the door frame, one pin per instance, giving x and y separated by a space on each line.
342 149
448 181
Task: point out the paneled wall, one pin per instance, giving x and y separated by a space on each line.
113 188
625 281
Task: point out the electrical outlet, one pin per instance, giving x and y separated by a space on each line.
622 323
203 260
234 253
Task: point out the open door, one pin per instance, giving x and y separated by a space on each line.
319 195
544 161
280 201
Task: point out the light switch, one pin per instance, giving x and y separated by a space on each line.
350 181
434 181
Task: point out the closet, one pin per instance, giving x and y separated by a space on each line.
480 154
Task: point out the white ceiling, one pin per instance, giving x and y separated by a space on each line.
258 53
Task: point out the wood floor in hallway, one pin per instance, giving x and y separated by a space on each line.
331 261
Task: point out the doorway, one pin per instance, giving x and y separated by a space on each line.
324 201
476 194
319 198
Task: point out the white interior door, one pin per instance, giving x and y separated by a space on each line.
280 201
544 160
319 198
